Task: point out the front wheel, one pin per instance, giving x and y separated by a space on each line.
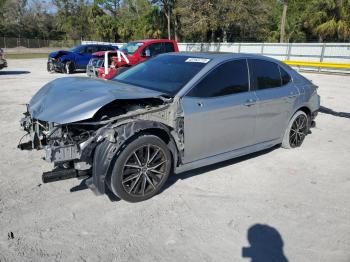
68 67
296 130
50 67
141 169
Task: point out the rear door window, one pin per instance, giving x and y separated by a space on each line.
104 48
227 79
155 49
168 47
285 76
264 74
91 49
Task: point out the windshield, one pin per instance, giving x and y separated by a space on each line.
131 47
165 73
75 49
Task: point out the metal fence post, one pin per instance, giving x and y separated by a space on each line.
262 48
239 47
322 55
289 50
322 52
4 42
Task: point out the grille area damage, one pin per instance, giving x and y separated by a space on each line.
87 147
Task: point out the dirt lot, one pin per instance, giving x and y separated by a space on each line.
298 196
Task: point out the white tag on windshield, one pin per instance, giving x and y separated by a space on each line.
197 60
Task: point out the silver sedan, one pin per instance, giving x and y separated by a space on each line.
172 113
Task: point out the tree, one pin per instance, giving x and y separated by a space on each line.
223 20
328 19
167 7
283 20
110 6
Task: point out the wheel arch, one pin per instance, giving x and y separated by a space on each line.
305 109
106 152
66 58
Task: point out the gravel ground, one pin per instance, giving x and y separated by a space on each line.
294 204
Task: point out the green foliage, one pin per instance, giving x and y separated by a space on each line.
188 20
150 25
330 19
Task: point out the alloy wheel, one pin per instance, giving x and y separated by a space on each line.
144 170
298 131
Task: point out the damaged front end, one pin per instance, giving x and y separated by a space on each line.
56 60
86 148
65 145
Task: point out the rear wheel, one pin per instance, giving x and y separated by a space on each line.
141 169
296 130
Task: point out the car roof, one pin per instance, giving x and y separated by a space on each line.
98 45
146 41
222 56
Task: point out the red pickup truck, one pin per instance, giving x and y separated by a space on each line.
131 54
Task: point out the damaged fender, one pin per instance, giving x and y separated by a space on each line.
109 149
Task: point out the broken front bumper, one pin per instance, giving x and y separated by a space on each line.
54 65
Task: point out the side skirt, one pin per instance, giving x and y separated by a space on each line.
227 155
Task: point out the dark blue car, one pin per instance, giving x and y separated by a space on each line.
75 58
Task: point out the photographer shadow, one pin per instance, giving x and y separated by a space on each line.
266 245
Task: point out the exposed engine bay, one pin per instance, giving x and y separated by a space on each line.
71 147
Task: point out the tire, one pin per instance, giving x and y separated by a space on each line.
50 68
135 179
68 67
296 131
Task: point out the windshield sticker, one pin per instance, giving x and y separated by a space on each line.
197 60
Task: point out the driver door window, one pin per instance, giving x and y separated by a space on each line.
154 49
227 79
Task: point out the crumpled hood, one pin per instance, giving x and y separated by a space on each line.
71 99
58 53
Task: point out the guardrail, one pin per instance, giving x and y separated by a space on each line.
318 65
327 53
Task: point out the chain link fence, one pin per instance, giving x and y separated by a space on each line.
14 42
308 52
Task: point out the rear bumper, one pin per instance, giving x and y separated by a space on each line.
3 63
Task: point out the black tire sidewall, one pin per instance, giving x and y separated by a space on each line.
286 141
117 171
49 67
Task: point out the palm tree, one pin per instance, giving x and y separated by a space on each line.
331 19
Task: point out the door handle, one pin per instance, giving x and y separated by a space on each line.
250 102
